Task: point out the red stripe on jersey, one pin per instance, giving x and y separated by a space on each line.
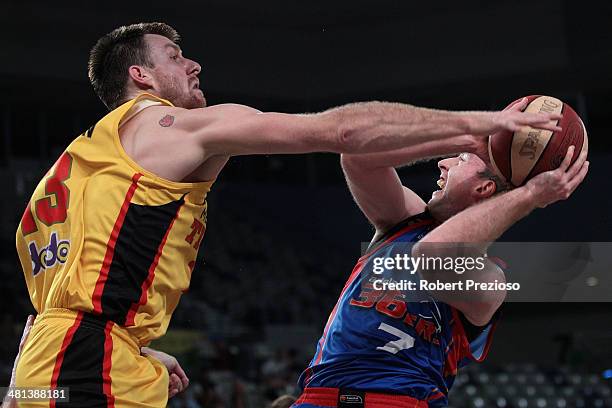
110 246
332 316
463 343
147 282
452 357
437 394
60 356
107 364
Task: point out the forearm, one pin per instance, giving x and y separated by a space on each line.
380 126
486 221
408 155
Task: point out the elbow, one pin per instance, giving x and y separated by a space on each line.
345 141
361 163
481 307
416 250
327 131
346 160
480 312
351 162
427 248
358 128
357 135
332 135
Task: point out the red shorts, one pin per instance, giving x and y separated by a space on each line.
332 397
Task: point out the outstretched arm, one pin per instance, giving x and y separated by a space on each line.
353 128
483 223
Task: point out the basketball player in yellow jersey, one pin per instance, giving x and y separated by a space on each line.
109 239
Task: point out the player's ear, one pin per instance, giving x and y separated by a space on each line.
141 77
485 189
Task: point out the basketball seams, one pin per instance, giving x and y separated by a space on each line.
496 169
510 172
546 148
511 145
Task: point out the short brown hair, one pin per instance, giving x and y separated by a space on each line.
115 52
501 185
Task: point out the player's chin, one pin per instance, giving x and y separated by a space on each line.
436 196
199 95
196 100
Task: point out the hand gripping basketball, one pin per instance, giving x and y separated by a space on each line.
514 119
554 185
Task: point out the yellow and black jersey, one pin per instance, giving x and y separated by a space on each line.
104 236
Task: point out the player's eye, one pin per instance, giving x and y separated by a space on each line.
174 57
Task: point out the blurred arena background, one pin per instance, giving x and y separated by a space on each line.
283 232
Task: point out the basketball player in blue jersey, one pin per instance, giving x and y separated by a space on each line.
378 348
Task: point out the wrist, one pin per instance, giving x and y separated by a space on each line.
527 197
469 122
481 123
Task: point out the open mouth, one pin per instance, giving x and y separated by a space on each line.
441 184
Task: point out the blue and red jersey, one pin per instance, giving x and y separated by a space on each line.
389 341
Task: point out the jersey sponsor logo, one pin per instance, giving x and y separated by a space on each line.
51 255
351 399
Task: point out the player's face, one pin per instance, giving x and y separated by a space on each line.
175 77
460 184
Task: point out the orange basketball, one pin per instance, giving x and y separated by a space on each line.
519 156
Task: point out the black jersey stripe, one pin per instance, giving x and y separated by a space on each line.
81 370
141 234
